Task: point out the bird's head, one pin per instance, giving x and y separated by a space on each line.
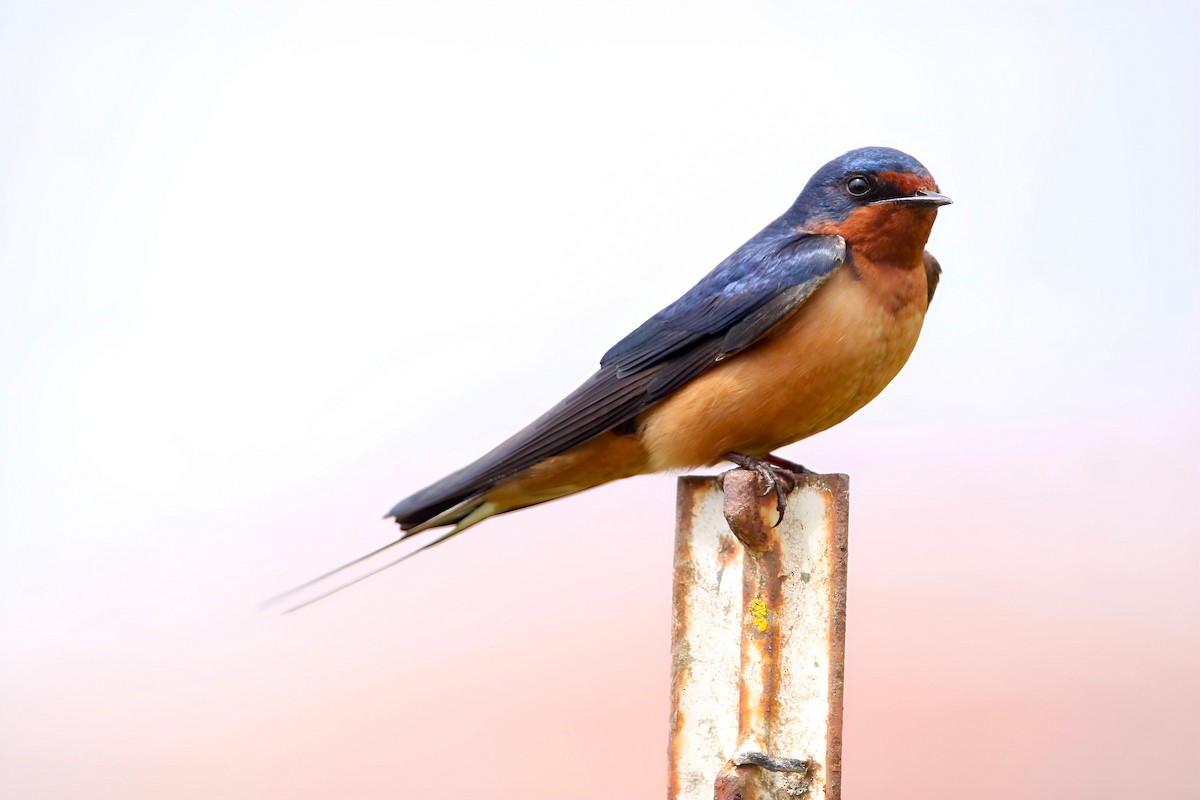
875 198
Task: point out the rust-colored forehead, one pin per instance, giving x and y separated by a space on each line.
909 182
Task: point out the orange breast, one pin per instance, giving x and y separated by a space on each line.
840 350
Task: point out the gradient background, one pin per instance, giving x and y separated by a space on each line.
268 267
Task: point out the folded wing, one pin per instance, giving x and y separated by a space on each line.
759 285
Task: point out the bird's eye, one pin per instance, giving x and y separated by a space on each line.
858 186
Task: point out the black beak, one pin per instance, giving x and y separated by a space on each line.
921 198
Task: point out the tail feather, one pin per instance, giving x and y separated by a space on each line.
462 516
450 534
441 501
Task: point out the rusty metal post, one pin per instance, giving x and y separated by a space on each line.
758 640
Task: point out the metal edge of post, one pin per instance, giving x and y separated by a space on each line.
838 486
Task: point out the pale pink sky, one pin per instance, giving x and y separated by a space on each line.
265 272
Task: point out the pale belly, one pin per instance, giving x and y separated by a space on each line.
826 362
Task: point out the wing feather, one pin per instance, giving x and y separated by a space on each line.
933 274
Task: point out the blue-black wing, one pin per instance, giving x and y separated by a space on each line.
740 290
759 285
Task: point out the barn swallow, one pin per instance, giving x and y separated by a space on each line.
791 334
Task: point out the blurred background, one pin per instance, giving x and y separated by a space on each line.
266 268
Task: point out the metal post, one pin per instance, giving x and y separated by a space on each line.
758 640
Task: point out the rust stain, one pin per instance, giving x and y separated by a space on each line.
735 783
674 783
746 510
727 552
681 656
746 500
770 572
838 523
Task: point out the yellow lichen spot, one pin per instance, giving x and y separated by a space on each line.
758 614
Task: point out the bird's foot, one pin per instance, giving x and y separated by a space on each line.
790 466
776 477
